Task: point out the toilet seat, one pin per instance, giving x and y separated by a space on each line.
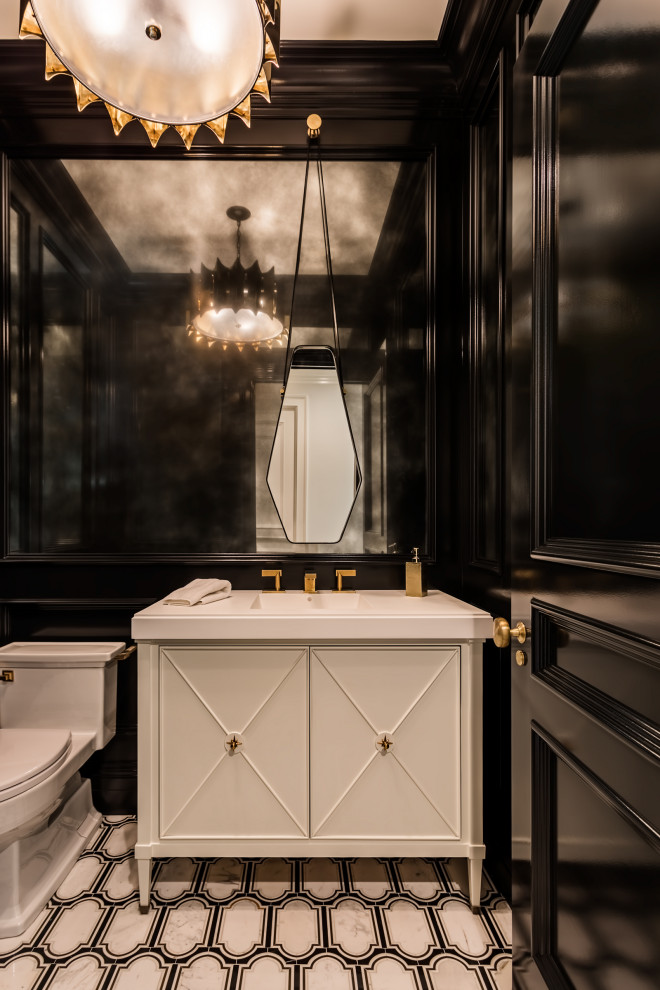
28 756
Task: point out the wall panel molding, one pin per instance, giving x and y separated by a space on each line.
487 314
626 556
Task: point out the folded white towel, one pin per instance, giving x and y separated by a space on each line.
201 591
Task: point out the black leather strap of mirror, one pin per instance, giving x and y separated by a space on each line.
328 262
287 355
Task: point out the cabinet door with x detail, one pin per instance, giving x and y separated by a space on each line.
233 742
385 742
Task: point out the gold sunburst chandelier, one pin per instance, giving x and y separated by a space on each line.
166 63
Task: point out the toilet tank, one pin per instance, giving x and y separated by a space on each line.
61 685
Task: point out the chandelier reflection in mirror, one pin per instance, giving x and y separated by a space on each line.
177 63
313 474
236 305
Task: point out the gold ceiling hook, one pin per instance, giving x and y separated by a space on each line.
314 125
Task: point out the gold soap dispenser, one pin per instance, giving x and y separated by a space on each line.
415 576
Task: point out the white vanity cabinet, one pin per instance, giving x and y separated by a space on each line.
297 749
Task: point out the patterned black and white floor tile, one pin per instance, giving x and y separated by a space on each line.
260 924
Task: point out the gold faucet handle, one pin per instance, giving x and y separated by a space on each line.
310 583
277 575
340 577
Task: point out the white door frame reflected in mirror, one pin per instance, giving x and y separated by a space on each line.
313 474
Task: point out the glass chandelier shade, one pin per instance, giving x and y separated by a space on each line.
174 63
236 305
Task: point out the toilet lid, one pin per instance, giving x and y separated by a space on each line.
29 755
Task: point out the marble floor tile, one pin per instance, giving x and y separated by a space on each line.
272 878
127 931
121 839
185 928
241 927
74 928
501 915
174 878
352 928
408 928
419 878
83 973
502 975
328 973
121 881
321 878
205 973
463 930
81 878
370 878
390 974
297 929
223 878
266 973
260 924
454 974
145 973
21 973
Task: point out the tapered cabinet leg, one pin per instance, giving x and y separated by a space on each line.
144 884
474 883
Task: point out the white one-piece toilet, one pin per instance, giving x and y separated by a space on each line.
58 704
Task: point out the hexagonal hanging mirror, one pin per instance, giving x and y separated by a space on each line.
313 474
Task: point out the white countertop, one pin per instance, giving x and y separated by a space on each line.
292 616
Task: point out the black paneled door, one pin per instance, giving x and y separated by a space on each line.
585 444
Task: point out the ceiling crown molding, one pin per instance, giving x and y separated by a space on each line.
371 93
471 38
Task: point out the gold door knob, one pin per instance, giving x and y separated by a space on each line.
502 632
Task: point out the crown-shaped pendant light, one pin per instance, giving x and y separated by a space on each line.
166 63
236 305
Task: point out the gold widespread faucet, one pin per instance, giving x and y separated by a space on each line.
277 575
340 576
310 583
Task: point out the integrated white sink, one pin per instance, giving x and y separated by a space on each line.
362 616
300 603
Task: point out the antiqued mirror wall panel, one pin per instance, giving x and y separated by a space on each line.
128 435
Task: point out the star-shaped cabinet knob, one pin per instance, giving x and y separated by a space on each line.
384 742
232 743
